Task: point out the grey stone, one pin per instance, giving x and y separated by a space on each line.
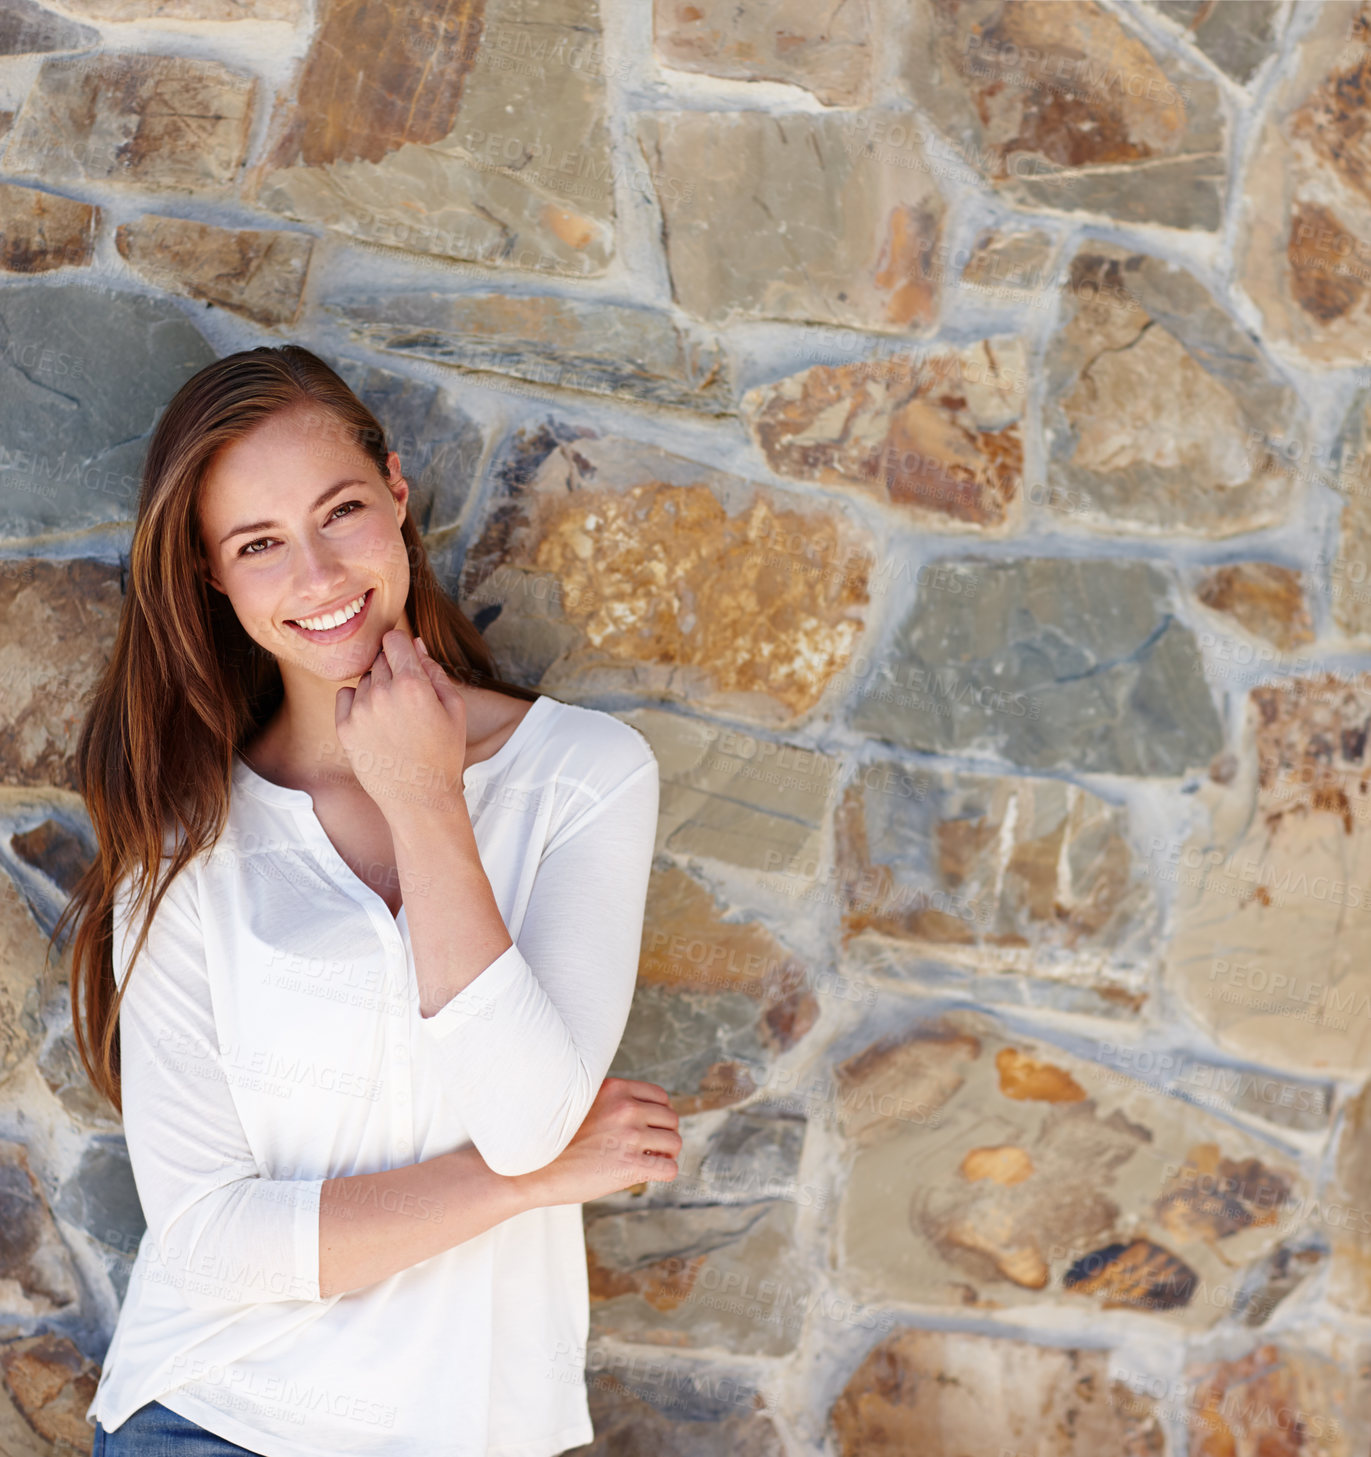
566 343
1117 677
35 1269
26 28
83 374
1237 35
100 1197
439 445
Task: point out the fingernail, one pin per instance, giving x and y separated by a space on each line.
422 648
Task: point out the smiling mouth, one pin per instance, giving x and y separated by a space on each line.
358 607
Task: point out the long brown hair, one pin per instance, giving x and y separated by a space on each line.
186 687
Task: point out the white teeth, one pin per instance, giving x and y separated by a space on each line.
333 619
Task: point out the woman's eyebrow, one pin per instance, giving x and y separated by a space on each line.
322 500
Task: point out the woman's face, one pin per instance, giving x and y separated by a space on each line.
298 526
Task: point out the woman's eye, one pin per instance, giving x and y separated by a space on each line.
264 541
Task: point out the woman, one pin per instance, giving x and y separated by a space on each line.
382 928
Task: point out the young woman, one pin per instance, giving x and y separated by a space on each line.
366 921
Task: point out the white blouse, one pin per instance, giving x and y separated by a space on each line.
272 1039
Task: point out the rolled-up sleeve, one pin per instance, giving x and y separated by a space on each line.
523 1049
218 1230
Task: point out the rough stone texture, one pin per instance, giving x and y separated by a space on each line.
22 952
721 1277
1264 599
674 1413
60 1068
715 803
945 1393
987 1168
1269 913
828 53
1094 120
937 436
1003 945
99 1196
36 1275
287 11
40 231
440 446
1279 1400
716 1001
639 354
1301 252
258 274
473 131
48 1385
83 375
56 633
1007 263
1157 403
1348 1191
845 237
661 573
1114 676
155 121
1032 878
1349 572
27 28
1237 38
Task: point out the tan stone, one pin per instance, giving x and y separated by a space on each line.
937 435
1301 250
1278 1400
1007 264
671 578
717 1001
1159 404
1029 877
989 1171
40 231
475 132
52 1384
37 1280
287 11
1265 599
23 952
1270 903
828 53
56 630
727 1277
950 1393
1348 1191
714 803
847 236
1063 107
258 274
155 121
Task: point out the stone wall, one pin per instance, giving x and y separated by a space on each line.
943 429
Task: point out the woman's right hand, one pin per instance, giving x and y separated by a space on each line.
629 1135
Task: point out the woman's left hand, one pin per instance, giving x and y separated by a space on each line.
404 730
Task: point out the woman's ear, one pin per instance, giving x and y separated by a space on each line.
398 486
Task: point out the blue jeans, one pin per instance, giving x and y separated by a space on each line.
155 1430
